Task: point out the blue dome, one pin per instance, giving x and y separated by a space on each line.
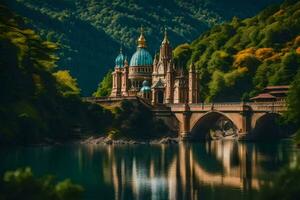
141 58
146 87
120 60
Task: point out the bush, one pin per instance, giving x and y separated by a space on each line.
286 186
21 183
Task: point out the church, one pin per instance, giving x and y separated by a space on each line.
158 81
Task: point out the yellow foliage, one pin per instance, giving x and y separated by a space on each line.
67 84
285 50
274 58
264 53
279 13
243 70
298 50
50 45
240 58
250 50
38 83
297 41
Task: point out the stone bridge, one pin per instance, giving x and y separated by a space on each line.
245 116
190 119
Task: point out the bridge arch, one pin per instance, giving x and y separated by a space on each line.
268 125
202 124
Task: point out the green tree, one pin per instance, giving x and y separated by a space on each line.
21 183
293 100
67 85
286 186
182 54
105 86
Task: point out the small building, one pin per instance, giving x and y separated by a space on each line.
272 93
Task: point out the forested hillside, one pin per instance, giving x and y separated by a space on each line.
37 101
238 59
90 32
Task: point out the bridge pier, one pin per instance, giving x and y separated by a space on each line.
245 123
184 126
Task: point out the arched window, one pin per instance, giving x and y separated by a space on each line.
160 97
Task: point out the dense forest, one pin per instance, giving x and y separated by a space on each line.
236 60
39 101
90 32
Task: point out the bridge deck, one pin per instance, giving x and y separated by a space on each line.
279 106
232 107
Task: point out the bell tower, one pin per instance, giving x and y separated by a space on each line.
125 78
165 49
117 75
193 85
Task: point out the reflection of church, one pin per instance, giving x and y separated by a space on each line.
158 81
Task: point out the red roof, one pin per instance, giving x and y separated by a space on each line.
277 87
264 96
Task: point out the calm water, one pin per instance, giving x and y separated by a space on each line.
212 170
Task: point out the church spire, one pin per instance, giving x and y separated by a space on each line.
142 40
165 41
165 48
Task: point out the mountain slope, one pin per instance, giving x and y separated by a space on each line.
90 32
237 60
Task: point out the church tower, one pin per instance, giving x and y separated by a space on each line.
125 78
165 52
163 73
193 85
117 75
166 55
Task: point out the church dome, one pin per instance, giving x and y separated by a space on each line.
120 59
146 87
141 58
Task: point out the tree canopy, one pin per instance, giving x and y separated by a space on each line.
236 60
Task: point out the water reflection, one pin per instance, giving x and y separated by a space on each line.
189 171
208 170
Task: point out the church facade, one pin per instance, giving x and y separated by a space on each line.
157 80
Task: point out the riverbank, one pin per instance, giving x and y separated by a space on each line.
108 141
101 140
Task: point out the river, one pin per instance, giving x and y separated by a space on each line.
208 170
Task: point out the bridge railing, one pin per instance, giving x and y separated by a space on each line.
232 106
279 106
107 99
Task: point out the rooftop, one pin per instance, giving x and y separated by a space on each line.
277 87
263 96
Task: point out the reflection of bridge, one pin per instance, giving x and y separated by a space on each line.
185 171
245 116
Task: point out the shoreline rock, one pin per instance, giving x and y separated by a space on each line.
108 141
